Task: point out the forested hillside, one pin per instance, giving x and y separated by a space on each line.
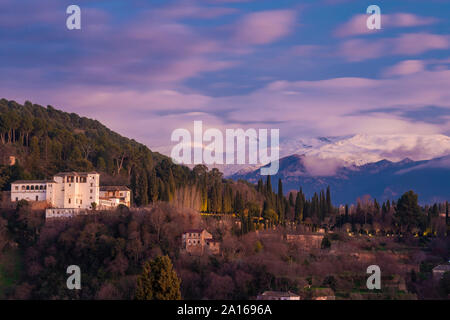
45 141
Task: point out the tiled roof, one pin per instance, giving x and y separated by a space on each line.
114 188
280 294
194 231
442 267
73 173
32 181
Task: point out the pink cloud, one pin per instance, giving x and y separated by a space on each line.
305 50
406 44
405 67
359 50
191 11
187 68
229 1
416 43
325 107
264 27
357 24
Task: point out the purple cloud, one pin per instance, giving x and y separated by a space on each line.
405 44
264 27
357 24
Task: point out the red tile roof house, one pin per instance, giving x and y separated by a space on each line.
278 295
199 241
438 271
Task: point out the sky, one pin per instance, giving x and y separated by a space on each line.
309 68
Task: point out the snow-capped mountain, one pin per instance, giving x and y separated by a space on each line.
361 148
382 180
326 154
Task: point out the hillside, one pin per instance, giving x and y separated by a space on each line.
45 141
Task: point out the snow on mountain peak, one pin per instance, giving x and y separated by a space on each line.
362 148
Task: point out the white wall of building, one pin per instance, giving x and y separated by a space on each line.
31 191
67 190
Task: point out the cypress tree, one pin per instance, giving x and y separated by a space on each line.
269 186
158 281
446 213
291 200
328 199
171 186
142 185
153 188
299 207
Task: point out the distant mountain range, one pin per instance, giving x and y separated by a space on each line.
350 150
381 180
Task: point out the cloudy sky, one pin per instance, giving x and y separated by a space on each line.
309 68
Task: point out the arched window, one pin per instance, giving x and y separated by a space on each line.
32 187
28 187
41 187
36 188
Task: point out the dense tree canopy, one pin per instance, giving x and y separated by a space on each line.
158 281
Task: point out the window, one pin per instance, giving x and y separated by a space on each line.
28 187
17 199
69 200
37 198
16 187
41 187
92 184
32 187
23 187
90 190
36 188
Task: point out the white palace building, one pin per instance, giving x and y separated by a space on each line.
68 194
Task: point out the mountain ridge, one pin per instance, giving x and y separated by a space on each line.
383 180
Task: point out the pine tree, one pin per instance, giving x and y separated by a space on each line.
408 212
260 187
171 186
269 186
376 206
447 221
328 199
280 201
291 199
205 202
142 189
299 207
153 188
158 281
